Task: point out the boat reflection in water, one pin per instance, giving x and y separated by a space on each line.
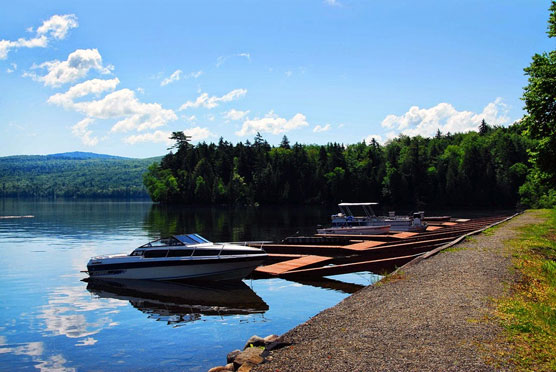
180 302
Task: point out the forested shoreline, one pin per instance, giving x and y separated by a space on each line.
92 176
477 169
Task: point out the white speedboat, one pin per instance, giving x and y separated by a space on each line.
346 218
187 256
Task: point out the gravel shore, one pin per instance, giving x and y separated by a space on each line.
431 316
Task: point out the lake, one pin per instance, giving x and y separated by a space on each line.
52 320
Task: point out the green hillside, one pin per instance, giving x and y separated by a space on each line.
73 175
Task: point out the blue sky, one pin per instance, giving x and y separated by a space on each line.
117 77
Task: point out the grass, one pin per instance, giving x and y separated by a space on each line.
529 313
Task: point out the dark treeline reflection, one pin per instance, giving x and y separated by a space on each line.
235 223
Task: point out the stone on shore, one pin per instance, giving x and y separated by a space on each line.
250 355
254 341
246 367
270 339
232 355
226 368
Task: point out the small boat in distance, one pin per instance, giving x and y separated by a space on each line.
355 230
179 257
346 219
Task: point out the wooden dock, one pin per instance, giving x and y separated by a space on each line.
353 253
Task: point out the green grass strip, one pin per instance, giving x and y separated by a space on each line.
529 314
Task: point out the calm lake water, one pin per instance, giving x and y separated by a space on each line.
51 320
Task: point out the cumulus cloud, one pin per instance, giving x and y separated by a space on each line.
121 104
56 27
318 128
197 134
124 103
446 118
211 102
75 67
81 130
94 86
234 114
272 123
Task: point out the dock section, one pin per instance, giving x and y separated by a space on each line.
322 254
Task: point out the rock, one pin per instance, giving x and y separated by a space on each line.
270 339
246 367
232 355
222 368
255 341
251 355
230 366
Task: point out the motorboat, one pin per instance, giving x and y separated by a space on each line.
177 302
188 256
355 230
346 219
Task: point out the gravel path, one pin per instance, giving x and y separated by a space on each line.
431 317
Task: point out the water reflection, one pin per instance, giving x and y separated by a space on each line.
68 313
179 302
234 224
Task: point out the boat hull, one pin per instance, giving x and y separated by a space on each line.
356 230
210 269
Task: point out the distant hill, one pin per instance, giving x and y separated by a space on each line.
73 175
83 155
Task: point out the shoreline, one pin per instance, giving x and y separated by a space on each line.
433 315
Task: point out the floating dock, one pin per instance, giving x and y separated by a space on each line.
322 255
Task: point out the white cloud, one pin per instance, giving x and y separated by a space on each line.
56 27
94 86
446 118
12 68
197 134
332 2
220 60
119 104
189 118
376 137
176 75
318 128
123 103
81 130
157 137
75 67
211 102
272 123
234 114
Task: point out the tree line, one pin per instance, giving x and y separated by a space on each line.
463 169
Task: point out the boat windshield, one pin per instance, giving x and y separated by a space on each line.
191 239
164 242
